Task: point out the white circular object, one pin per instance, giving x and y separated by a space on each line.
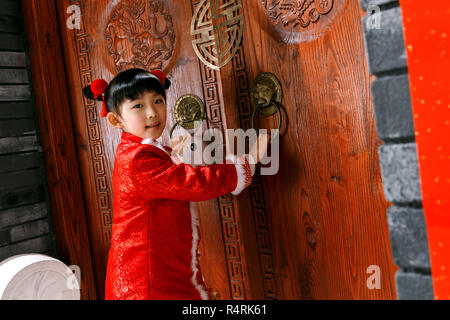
37 277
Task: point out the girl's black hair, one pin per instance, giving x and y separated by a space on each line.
129 84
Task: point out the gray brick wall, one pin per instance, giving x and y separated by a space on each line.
391 99
386 57
25 217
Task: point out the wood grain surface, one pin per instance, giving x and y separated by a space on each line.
309 232
326 204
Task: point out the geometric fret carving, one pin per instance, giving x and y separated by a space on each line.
263 236
95 142
227 211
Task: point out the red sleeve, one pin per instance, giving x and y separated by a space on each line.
156 178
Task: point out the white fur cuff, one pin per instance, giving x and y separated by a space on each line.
244 170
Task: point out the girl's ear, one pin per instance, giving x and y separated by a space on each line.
114 120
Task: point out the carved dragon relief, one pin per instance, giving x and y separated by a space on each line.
140 34
297 12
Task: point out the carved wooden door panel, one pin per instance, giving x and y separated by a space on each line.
313 229
325 210
117 35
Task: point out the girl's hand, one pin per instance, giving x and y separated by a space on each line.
259 149
178 143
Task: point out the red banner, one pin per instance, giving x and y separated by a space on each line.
427 41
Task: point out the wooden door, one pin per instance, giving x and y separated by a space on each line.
312 230
114 36
325 207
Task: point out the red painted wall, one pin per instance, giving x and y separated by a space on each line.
427 41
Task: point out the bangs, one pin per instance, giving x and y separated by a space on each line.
136 87
131 85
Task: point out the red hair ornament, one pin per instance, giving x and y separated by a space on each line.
98 88
160 75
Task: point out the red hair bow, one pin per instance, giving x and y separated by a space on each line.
160 75
98 88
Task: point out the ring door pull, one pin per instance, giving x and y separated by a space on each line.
188 109
267 96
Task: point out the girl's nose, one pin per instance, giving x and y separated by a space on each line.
150 113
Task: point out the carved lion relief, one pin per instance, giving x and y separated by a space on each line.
140 34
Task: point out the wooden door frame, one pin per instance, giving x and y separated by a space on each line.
57 139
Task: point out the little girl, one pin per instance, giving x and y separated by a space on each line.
153 252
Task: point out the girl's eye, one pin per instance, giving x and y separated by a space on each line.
138 106
159 101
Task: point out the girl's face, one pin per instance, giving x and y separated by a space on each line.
144 117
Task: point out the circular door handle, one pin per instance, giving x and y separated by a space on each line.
278 110
266 97
188 109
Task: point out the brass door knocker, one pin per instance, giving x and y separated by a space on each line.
188 109
266 96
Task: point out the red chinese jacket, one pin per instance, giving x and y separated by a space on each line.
154 239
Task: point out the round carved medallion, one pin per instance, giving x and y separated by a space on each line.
302 20
216 30
140 34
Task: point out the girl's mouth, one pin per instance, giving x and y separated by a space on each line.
153 126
